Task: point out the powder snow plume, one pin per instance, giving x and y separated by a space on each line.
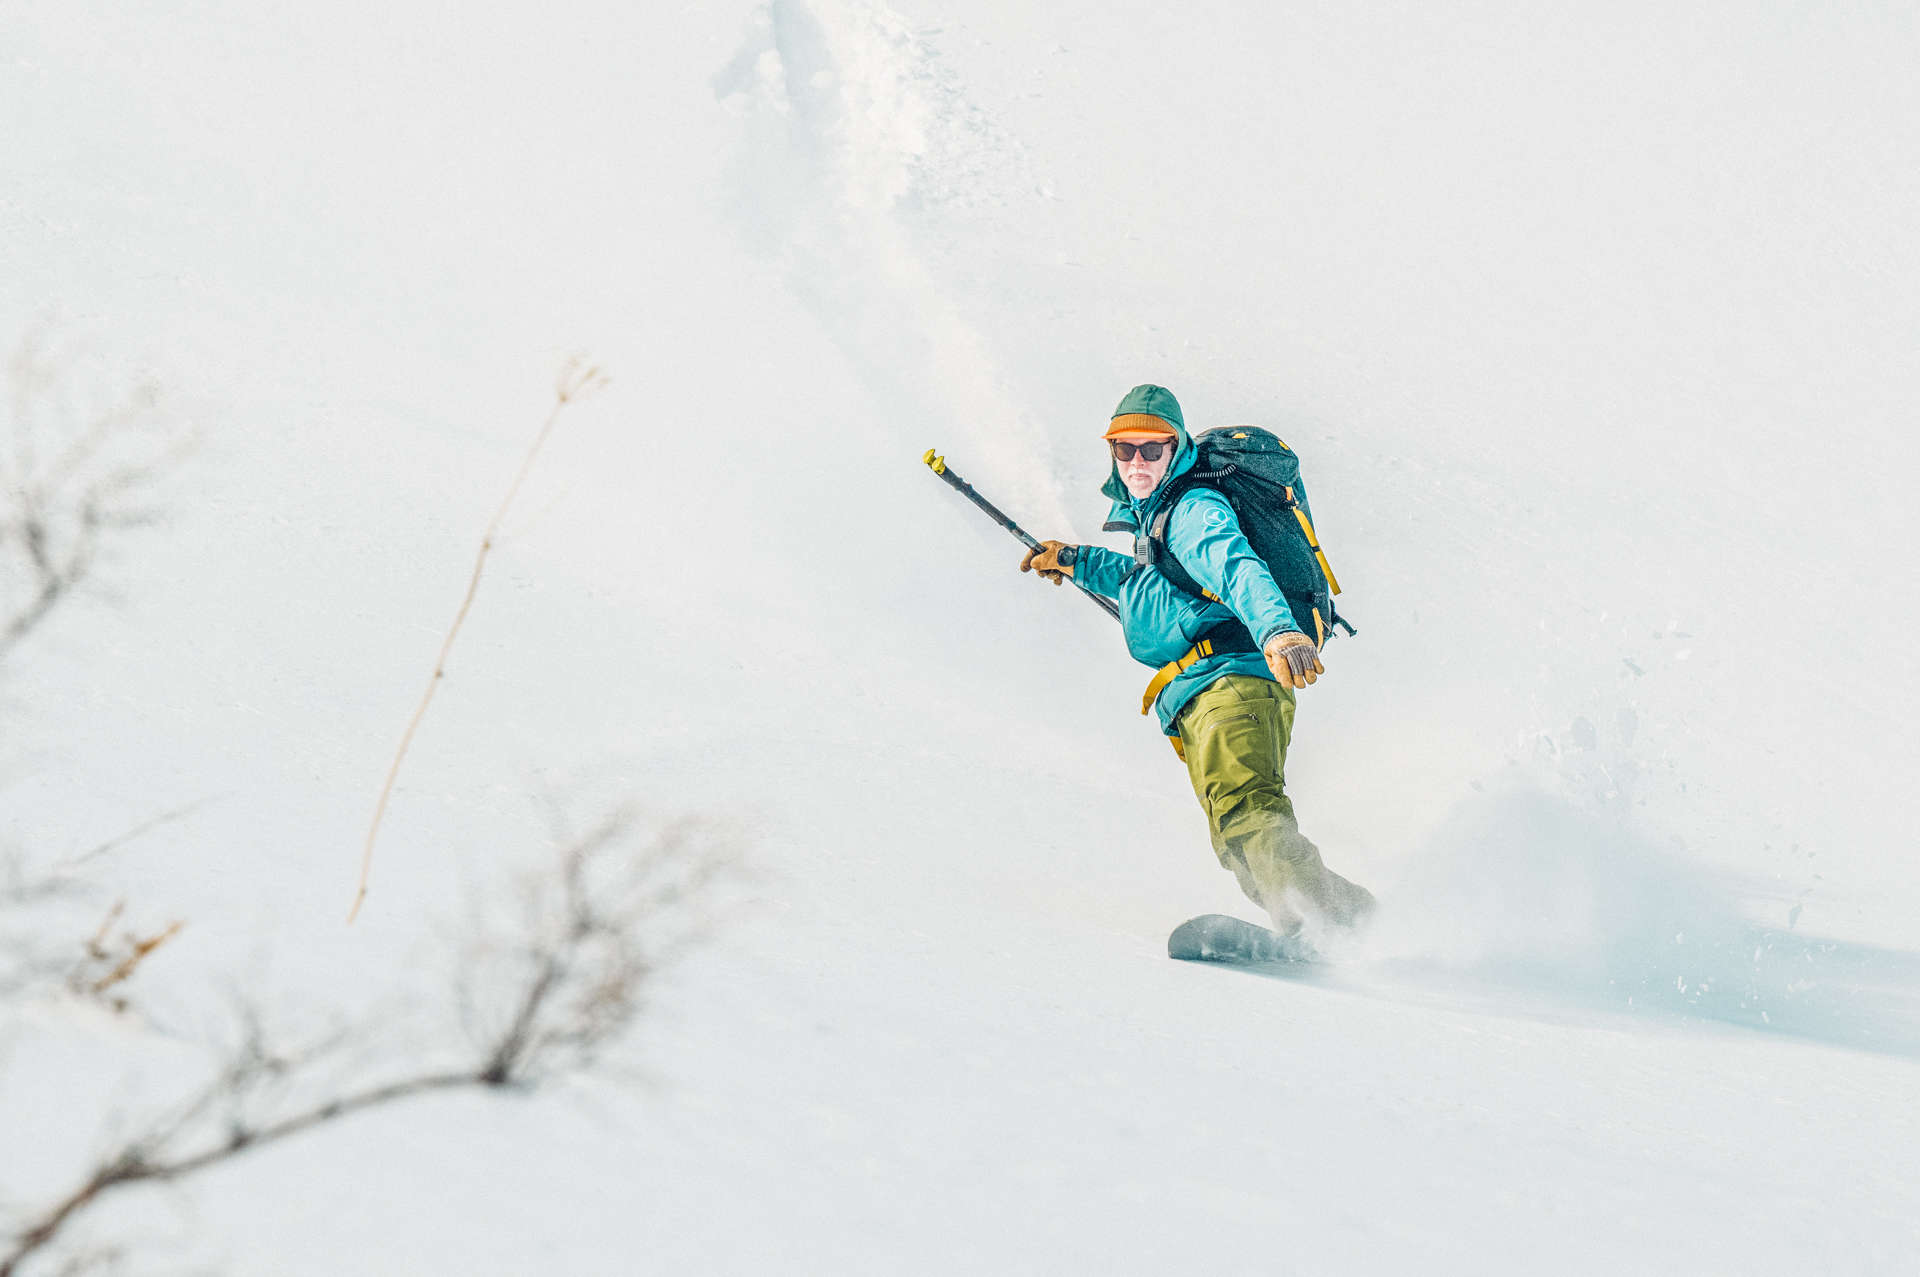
856 144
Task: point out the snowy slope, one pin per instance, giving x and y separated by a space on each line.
1594 327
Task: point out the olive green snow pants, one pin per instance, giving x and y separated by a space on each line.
1235 735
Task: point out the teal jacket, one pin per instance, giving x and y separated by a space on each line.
1161 620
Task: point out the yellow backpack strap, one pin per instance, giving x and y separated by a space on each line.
1174 669
1313 542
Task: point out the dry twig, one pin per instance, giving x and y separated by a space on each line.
577 380
120 961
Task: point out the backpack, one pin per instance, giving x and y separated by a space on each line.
1260 478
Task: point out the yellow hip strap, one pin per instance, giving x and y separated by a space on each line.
1173 669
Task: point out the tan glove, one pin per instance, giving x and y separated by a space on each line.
1294 660
1053 560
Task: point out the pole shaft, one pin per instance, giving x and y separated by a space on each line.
939 466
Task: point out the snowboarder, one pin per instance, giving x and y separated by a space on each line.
1228 662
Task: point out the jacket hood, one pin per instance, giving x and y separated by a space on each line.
1159 402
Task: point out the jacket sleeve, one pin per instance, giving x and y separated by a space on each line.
1205 536
1100 569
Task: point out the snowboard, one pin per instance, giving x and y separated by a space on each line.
1215 937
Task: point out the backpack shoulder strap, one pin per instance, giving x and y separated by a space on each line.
1157 552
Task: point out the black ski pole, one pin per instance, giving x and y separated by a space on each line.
939 466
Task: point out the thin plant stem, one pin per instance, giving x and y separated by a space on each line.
573 383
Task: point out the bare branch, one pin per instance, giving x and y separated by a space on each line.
564 985
32 950
613 912
122 839
55 515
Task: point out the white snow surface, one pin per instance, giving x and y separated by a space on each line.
1595 326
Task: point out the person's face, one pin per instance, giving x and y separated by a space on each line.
1141 475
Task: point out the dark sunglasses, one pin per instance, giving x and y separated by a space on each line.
1123 451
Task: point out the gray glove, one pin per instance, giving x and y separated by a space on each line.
1293 658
